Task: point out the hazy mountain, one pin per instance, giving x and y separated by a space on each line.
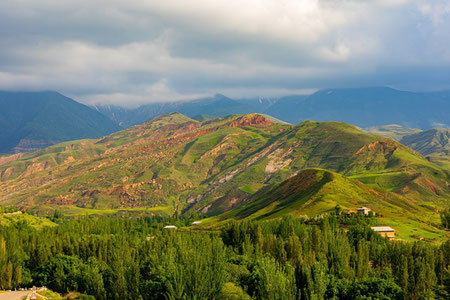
392 131
287 108
430 142
34 120
217 106
363 107
202 118
367 107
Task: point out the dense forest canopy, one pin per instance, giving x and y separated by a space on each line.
291 258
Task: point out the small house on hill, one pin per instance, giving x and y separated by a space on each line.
363 211
170 227
385 231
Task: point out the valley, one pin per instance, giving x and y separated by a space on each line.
225 150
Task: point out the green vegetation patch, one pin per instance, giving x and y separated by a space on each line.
24 218
253 188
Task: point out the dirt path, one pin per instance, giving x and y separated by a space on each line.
18 295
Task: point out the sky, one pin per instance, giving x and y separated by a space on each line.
140 51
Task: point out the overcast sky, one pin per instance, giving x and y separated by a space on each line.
136 51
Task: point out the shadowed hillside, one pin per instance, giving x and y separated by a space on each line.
35 120
431 142
367 107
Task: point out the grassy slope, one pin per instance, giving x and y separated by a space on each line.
36 222
148 162
315 191
175 162
344 149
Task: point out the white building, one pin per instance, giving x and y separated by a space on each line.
363 211
170 227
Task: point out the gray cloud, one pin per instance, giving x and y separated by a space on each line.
137 51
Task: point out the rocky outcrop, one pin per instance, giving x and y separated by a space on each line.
6 159
255 120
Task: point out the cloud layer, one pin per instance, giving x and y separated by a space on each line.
138 51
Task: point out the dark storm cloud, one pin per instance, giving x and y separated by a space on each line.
136 51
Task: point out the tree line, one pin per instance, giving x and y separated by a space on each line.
289 258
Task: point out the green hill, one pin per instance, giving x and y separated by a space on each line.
316 191
9 219
35 120
177 164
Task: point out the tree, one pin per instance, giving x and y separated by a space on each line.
269 280
7 274
338 209
445 218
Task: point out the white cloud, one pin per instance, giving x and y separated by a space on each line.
137 51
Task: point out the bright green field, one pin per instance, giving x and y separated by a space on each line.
36 222
79 211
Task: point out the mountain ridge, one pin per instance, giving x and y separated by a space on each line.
34 120
363 107
434 141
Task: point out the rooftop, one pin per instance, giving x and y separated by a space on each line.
383 229
170 227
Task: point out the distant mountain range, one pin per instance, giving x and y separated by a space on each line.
392 131
434 141
363 107
431 142
34 120
216 106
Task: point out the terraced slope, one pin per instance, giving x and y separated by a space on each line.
174 163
